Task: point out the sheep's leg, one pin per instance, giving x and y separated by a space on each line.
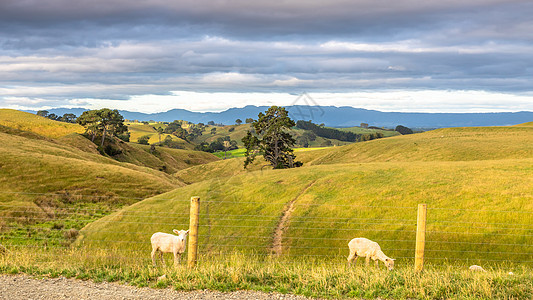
176 258
161 258
154 250
367 261
376 263
352 257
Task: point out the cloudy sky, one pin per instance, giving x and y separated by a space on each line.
210 55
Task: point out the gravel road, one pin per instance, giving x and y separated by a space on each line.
15 287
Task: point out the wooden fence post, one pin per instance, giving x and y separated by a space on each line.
193 232
420 237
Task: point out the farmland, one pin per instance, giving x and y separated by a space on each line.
477 183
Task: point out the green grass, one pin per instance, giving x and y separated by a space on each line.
338 202
39 125
312 278
49 186
477 183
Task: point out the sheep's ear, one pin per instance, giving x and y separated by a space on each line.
393 259
175 231
187 232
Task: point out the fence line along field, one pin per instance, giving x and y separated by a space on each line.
283 230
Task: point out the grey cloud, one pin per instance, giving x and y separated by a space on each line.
116 49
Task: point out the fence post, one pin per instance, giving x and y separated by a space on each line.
193 231
420 237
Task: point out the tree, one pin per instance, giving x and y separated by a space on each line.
43 113
271 139
238 121
213 130
249 120
103 121
212 123
403 130
69 118
143 139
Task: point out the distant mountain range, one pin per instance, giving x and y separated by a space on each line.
332 116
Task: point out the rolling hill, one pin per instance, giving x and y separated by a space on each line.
477 183
61 177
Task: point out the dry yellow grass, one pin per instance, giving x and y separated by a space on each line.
39 125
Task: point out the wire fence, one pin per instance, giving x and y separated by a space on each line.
291 231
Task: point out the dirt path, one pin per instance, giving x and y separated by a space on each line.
277 247
23 287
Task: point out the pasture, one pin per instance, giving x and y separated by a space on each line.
286 230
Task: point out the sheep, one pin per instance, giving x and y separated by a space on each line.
476 268
169 243
366 248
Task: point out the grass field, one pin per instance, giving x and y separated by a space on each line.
49 186
477 183
39 125
330 280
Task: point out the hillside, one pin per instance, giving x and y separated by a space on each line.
65 182
139 129
447 144
39 125
476 181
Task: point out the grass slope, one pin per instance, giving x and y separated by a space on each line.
39 125
334 203
50 185
448 144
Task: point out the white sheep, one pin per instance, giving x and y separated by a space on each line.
476 268
169 243
366 248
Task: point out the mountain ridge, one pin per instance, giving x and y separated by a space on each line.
332 116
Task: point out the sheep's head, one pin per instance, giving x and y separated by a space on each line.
182 234
389 263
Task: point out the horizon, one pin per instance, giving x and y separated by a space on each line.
259 106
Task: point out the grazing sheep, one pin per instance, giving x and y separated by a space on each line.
169 243
366 248
476 268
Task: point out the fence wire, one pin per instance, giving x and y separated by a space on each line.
125 235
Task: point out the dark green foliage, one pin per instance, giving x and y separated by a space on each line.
111 151
125 136
403 130
232 129
169 142
68 118
328 133
221 144
271 139
42 113
102 122
143 139
249 120
238 121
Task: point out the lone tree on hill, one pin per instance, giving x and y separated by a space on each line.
238 121
403 130
271 139
103 121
